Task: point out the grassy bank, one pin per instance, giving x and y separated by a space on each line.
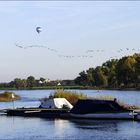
72 97
71 87
8 97
45 87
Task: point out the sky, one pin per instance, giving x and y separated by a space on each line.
76 35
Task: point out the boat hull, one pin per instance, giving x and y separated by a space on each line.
119 115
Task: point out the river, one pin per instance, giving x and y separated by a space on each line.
24 128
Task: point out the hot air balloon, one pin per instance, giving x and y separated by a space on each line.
38 29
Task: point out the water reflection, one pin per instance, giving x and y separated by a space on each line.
15 128
60 124
99 125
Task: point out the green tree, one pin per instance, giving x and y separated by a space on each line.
90 77
100 78
109 69
137 70
126 71
81 79
19 83
31 82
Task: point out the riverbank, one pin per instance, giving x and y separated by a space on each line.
70 87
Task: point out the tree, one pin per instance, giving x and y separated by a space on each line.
109 69
81 79
31 81
90 77
126 71
100 78
19 83
137 70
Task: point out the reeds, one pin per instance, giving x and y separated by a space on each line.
103 97
71 96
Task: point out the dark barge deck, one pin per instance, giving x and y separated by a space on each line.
38 112
53 113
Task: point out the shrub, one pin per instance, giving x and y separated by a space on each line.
7 96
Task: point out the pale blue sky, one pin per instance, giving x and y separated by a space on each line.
71 28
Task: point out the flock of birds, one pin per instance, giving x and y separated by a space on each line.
35 46
87 54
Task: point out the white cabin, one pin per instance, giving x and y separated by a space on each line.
55 103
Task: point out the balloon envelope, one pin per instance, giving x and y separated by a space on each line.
38 29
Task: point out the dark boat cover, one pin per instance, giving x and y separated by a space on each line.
96 106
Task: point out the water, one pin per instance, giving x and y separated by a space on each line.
24 128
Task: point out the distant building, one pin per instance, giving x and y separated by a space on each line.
59 84
44 81
40 82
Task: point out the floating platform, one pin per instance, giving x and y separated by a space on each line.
38 112
83 109
66 114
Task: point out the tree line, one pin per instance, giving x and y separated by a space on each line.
19 83
31 82
114 73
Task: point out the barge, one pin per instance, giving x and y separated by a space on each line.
83 109
103 109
